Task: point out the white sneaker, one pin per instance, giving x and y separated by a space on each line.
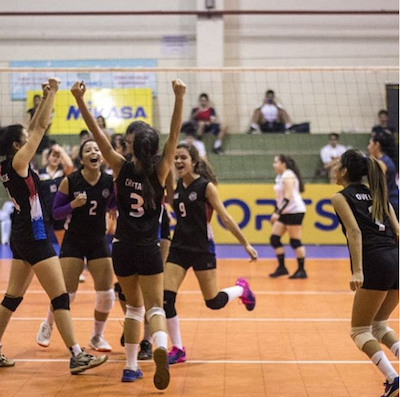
82 278
98 343
44 334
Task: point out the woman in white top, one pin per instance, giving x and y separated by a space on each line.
288 215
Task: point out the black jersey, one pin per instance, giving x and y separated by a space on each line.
30 217
136 223
49 185
375 236
193 213
89 220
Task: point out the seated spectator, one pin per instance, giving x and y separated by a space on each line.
118 143
204 120
30 112
191 139
383 117
331 153
270 117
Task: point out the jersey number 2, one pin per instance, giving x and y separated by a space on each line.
93 206
137 208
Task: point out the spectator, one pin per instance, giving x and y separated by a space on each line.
191 139
383 117
330 153
204 119
270 117
101 121
84 135
31 111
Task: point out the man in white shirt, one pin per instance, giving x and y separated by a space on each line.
331 153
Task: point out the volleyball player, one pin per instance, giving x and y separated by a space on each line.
288 215
372 231
382 146
59 164
136 253
32 250
192 245
83 198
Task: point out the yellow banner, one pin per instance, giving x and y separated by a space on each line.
251 206
119 107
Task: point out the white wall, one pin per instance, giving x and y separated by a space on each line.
249 41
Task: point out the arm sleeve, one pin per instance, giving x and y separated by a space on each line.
61 206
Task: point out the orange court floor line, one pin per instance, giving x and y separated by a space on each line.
295 343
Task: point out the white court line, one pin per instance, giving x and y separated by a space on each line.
249 362
218 319
199 292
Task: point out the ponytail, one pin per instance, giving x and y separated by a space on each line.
145 147
378 189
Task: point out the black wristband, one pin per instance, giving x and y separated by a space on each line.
285 202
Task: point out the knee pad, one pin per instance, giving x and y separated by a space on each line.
118 292
135 313
61 302
71 296
218 302
11 303
295 243
104 301
154 311
361 335
275 241
380 329
169 303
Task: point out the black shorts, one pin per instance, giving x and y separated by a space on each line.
291 219
212 128
129 259
164 227
32 251
381 270
75 247
188 259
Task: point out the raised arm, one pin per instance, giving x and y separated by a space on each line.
25 154
114 159
227 220
67 164
354 238
164 166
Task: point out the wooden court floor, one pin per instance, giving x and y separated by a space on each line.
295 343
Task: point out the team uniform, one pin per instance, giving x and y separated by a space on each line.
193 241
86 226
380 255
48 188
164 230
29 233
136 248
293 213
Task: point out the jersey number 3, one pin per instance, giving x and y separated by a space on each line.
137 208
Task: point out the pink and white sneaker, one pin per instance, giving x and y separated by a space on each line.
247 298
176 355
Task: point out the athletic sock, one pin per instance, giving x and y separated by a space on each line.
50 318
383 364
98 328
174 332
217 144
395 349
300 263
160 339
131 350
75 350
281 260
233 292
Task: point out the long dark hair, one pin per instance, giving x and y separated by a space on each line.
388 145
201 166
291 165
357 166
145 148
9 135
